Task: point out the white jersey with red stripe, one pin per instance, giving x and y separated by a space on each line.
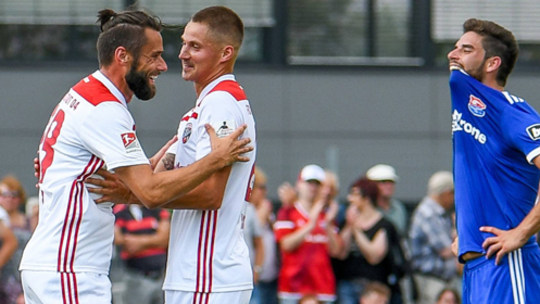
90 127
207 250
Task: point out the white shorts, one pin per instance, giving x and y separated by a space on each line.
44 287
188 297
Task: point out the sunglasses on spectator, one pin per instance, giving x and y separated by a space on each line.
11 194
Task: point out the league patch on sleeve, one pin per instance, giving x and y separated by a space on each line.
224 127
534 131
130 142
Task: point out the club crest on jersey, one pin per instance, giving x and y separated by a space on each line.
187 133
534 131
130 142
476 106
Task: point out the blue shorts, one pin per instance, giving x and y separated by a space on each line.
516 280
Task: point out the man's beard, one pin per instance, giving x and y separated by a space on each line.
478 72
139 84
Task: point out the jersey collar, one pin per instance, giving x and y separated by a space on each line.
112 88
212 84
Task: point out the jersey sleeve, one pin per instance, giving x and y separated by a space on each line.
108 133
524 132
220 110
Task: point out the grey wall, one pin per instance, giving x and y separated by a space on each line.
343 119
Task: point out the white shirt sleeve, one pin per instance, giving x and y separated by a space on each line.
108 133
219 109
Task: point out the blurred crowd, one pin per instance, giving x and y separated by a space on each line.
305 247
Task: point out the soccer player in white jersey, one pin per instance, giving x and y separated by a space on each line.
496 139
67 259
208 259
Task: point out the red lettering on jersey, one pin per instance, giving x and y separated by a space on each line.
128 138
94 91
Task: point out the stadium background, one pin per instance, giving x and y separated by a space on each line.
345 84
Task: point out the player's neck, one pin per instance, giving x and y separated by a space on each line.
119 80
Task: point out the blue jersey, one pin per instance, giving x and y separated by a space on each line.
495 137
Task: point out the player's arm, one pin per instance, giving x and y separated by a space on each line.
157 189
506 241
208 195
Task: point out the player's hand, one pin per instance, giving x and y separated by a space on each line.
110 187
503 242
157 157
230 148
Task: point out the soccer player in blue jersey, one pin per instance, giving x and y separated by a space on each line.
496 138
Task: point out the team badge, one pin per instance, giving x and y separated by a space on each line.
187 133
130 142
476 106
534 131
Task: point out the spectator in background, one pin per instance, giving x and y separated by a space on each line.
13 200
307 238
265 289
448 296
254 241
368 239
375 293
142 235
431 234
8 246
393 209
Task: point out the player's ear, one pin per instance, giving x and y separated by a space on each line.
227 53
493 63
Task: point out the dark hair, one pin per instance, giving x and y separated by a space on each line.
123 29
368 188
224 24
497 41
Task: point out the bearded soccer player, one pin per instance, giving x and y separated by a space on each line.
496 137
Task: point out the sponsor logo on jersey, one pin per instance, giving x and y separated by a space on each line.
534 131
130 142
476 106
224 128
460 124
187 133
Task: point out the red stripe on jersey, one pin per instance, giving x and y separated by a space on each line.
212 242
207 235
75 290
232 87
201 230
98 164
205 261
75 200
63 287
94 91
